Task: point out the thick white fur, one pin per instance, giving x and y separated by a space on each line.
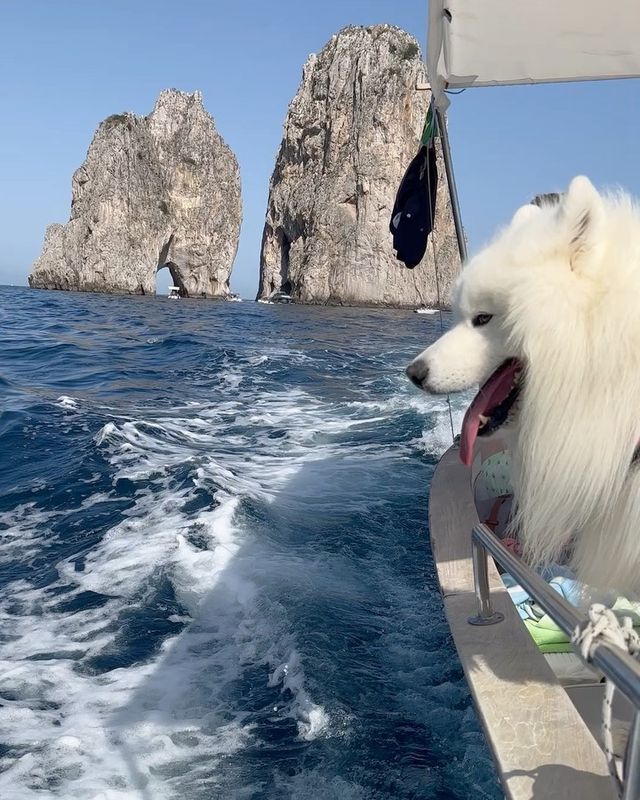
563 284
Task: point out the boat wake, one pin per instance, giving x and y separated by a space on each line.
217 589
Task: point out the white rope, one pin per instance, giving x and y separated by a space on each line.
604 625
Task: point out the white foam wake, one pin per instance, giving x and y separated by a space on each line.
83 716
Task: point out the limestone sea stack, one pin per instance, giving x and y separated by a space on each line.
154 191
351 131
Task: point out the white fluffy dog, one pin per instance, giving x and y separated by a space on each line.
549 323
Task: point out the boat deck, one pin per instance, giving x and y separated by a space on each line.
542 747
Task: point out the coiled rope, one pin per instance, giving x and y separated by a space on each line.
604 625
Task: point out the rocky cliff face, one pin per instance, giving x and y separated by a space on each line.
161 190
351 131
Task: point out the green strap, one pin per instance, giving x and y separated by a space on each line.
429 130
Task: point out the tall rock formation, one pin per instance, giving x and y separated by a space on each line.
350 133
161 190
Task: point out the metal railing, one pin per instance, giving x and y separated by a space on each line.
616 664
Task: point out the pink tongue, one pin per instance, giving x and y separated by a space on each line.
491 394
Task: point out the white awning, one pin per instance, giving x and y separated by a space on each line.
499 42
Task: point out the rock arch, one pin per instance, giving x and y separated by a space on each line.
176 278
154 191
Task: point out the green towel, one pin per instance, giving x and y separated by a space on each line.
550 639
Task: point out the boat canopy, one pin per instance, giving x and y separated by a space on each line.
502 42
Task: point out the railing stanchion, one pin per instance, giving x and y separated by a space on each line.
486 615
632 762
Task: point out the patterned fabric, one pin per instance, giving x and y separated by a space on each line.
492 491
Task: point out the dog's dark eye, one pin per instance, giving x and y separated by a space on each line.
481 319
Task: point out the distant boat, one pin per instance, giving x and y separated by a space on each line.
276 297
174 293
426 310
233 297
280 297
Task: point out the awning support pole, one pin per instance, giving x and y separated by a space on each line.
451 181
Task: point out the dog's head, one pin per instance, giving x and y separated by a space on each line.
537 273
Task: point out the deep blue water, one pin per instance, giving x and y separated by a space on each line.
215 576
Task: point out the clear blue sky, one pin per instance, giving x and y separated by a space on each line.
66 65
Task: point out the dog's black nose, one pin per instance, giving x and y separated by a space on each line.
417 372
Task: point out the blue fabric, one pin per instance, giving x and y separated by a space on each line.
561 579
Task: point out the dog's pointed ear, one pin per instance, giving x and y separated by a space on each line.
582 216
523 214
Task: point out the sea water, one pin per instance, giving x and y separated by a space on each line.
215 575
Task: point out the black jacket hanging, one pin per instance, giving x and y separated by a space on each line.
415 205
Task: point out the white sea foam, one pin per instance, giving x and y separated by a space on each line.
67 402
82 731
437 437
